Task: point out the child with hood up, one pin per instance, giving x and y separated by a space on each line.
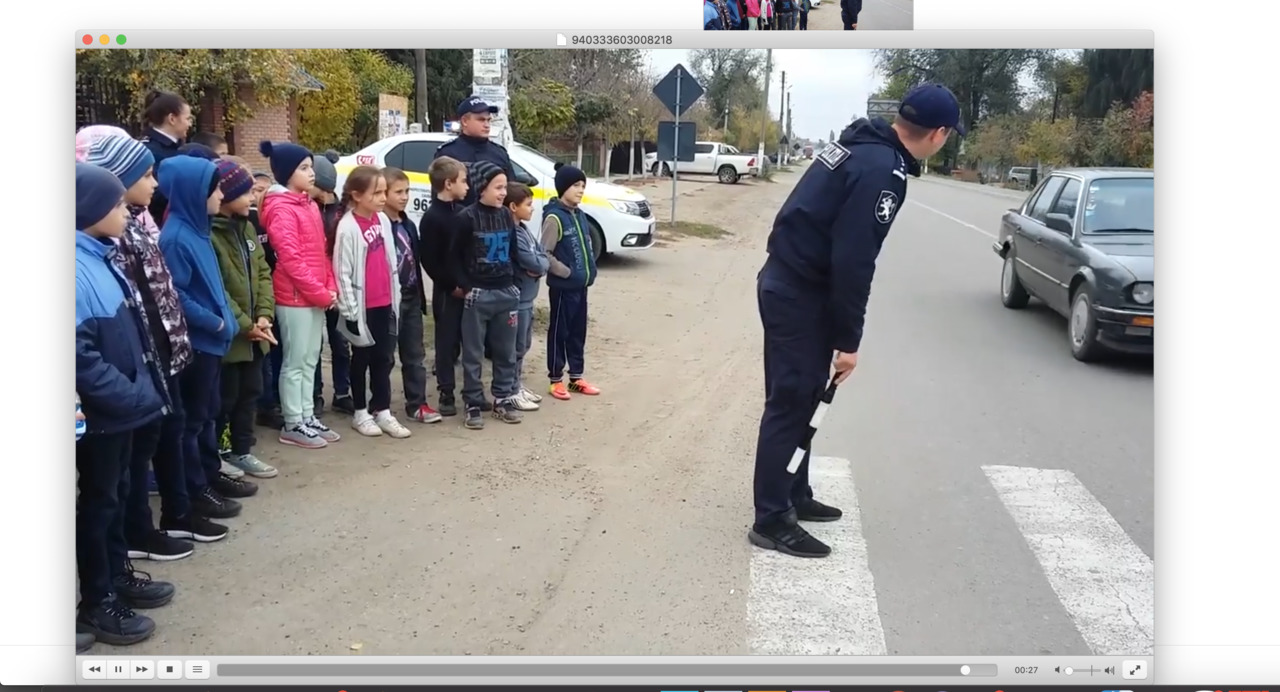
191 186
304 286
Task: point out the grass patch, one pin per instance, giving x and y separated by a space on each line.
693 229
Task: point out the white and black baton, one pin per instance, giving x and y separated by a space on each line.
818 413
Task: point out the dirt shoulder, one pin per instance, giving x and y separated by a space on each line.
605 525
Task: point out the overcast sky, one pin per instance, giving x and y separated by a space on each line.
828 86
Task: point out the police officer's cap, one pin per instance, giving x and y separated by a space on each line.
475 105
932 106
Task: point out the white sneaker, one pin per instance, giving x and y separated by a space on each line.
521 403
362 421
529 395
389 425
231 471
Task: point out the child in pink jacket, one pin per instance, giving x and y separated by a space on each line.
304 288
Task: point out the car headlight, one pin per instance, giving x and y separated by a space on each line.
626 207
1144 294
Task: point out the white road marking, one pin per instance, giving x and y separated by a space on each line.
819 607
949 217
1105 581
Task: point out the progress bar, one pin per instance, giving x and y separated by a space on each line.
570 670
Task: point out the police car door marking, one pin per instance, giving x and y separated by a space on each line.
886 206
833 155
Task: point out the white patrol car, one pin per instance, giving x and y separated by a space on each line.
620 218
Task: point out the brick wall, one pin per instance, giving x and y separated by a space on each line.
276 123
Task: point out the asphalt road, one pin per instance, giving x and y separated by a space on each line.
998 494
876 14
1005 490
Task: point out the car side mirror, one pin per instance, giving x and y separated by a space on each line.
526 179
1058 222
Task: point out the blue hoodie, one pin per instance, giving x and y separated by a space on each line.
185 242
116 377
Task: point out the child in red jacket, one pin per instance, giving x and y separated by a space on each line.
304 288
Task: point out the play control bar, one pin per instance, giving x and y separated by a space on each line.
602 670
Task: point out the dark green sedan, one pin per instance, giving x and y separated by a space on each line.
1084 243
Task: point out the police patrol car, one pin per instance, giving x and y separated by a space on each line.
620 218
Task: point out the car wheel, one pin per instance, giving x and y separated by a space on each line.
1082 328
1012 293
728 175
653 170
597 239
666 170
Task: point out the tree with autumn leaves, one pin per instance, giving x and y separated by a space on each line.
343 115
1049 108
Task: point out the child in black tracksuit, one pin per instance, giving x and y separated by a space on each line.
448 189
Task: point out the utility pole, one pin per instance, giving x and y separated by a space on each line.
764 107
782 115
420 88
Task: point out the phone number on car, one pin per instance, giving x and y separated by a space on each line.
621 39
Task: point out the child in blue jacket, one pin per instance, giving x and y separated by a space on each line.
121 389
191 186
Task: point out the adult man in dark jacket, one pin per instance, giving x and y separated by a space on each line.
813 291
475 119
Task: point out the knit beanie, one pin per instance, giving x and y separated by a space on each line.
199 151
326 174
566 176
482 173
234 180
126 157
89 135
284 158
98 191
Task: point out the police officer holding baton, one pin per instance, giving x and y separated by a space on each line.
813 291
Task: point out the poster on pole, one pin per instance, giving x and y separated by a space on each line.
392 115
489 82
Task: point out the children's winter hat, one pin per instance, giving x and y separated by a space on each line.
199 151
481 174
98 191
234 180
126 157
326 174
285 157
89 135
566 176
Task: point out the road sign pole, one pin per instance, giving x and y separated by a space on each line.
675 154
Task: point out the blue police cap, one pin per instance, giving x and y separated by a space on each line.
932 106
475 105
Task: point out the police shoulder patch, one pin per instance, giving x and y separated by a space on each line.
886 206
833 155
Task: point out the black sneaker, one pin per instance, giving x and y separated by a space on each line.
160 547
506 412
812 510
486 406
319 405
210 504
344 404
233 487
271 418
447 406
112 622
137 589
474 421
194 527
84 642
787 537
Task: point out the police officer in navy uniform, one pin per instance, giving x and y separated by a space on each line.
475 118
813 290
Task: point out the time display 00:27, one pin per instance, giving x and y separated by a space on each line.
1025 670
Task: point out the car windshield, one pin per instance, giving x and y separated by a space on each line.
1120 205
537 160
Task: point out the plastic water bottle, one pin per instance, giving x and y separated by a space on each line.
80 424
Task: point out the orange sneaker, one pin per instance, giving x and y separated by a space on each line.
559 391
582 386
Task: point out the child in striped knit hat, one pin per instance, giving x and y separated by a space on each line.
140 260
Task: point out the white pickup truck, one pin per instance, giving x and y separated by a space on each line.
709 158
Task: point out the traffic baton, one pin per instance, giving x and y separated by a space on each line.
818 413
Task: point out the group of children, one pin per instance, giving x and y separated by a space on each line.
190 329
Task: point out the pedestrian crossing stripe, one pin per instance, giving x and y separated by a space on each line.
1103 580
